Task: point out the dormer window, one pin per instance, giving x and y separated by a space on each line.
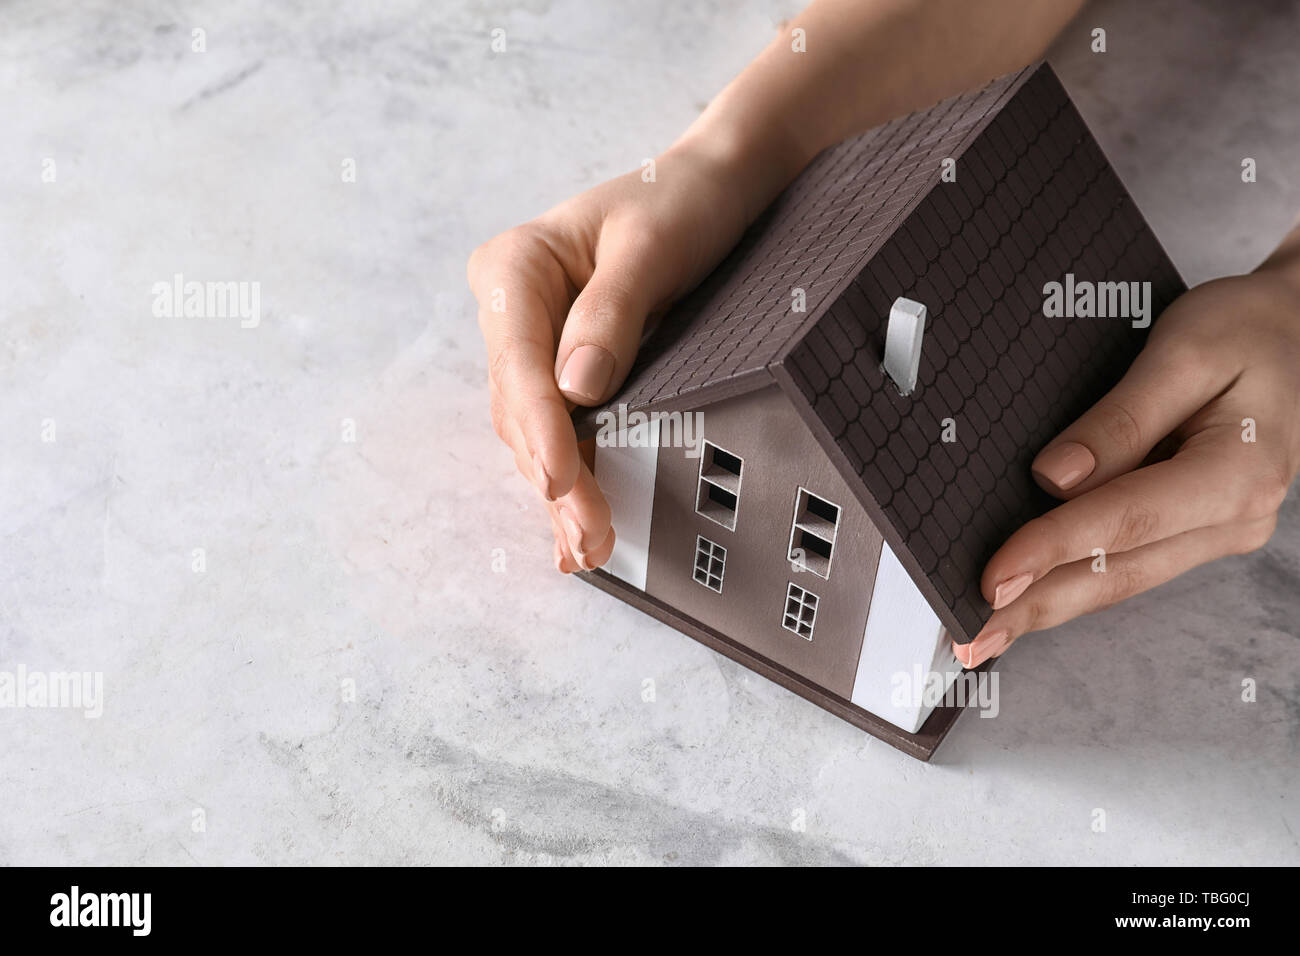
812 535
718 496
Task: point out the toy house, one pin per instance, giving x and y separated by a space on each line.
874 370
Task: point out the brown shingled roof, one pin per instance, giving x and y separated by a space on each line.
868 221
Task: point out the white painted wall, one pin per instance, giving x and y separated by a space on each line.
626 476
903 644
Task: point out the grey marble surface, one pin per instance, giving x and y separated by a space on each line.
498 714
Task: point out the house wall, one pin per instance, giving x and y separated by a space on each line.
904 637
625 472
780 456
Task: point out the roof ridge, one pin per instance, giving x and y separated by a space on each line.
1013 85
725 336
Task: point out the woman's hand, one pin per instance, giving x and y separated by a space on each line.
1218 386
563 301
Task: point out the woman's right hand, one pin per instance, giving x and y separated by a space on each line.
563 301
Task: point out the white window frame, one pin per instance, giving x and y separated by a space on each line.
704 482
803 603
796 526
713 550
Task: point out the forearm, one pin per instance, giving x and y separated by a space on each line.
1284 261
866 62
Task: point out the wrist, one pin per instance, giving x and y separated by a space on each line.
754 156
1283 264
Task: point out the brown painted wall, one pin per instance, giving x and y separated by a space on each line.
779 456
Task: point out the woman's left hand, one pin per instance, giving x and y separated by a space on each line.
1218 385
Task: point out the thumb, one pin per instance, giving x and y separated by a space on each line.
602 332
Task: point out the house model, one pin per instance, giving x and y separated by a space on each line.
873 369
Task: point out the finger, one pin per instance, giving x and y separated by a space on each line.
560 556
603 329
1082 587
586 501
564 561
510 433
520 288
580 505
585 518
600 554
1170 380
563 558
1201 486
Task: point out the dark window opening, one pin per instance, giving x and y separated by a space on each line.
812 537
823 509
718 496
723 497
814 545
726 461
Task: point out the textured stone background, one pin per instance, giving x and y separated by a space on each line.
498 715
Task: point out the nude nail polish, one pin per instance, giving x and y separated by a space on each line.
573 531
982 648
541 478
1010 589
586 373
1065 465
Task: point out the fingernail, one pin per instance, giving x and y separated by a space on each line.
541 478
982 648
574 532
1064 465
586 372
1010 589
559 557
